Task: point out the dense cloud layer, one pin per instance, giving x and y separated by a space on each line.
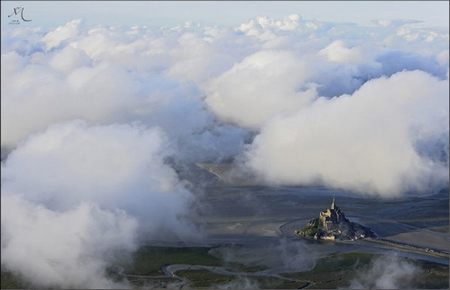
75 194
363 108
261 85
110 165
104 75
366 142
69 248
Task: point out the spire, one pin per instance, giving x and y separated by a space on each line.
333 204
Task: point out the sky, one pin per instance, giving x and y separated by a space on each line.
225 13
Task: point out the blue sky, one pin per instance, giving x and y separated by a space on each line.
53 13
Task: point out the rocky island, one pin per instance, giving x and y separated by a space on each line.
333 225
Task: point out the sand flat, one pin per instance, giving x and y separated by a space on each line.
424 238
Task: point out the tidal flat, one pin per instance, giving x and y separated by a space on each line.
248 242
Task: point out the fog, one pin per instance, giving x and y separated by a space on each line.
376 130
74 194
282 255
96 120
387 272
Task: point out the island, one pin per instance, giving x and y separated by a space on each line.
333 225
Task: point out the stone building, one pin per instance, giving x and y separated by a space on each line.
331 217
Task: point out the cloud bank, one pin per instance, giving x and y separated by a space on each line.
376 132
70 248
91 118
261 85
74 195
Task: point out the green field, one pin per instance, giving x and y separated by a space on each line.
335 271
434 276
149 260
204 279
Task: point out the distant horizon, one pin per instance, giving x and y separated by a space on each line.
49 14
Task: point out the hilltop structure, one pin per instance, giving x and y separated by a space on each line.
333 225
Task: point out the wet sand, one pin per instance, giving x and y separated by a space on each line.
255 214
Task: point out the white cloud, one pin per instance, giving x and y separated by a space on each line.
198 58
394 22
262 85
338 52
365 142
113 166
106 75
69 59
387 272
46 96
262 22
443 57
70 248
73 195
56 37
387 137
